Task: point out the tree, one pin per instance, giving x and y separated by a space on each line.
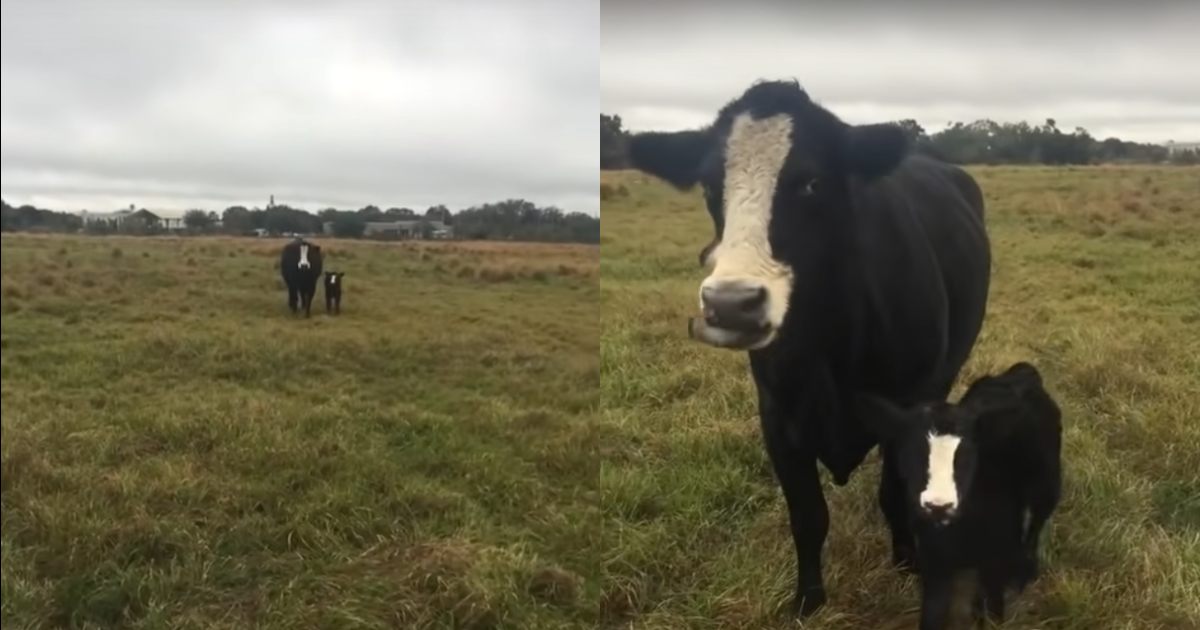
238 220
198 220
612 143
512 219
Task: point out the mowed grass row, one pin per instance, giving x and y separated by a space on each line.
1096 280
179 452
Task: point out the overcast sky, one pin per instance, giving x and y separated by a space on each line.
1125 72
178 104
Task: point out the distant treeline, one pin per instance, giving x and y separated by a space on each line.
514 219
980 142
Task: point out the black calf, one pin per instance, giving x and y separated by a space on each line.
333 292
971 472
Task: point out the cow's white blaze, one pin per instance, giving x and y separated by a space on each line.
754 155
941 489
333 279
303 264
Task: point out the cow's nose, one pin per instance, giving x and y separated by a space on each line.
938 510
735 306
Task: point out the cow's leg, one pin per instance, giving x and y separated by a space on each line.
808 514
308 299
293 299
328 304
937 598
893 502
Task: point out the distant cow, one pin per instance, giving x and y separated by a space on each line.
973 472
333 291
842 263
301 264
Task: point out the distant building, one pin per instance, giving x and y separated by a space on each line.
1175 147
123 218
406 229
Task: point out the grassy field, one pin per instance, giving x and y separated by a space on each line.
454 453
180 453
1097 280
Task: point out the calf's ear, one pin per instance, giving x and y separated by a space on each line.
882 417
673 157
872 151
996 417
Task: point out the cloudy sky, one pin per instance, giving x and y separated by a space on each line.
1115 71
180 104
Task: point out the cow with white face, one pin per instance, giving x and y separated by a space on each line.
843 264
301 265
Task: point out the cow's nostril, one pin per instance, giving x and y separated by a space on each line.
756 300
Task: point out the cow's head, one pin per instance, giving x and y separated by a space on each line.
334 278
779 172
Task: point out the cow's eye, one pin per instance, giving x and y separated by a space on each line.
806 187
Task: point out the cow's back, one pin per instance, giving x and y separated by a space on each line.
925 264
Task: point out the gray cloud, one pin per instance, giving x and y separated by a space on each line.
182 104
1119 70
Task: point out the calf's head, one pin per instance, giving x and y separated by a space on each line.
937 445
778 173
334 278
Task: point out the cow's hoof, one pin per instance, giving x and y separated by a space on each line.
808 602
1030 571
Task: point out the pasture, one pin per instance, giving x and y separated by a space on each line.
179 452
1096 280
511 437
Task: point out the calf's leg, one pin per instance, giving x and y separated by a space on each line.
937 597
1041 505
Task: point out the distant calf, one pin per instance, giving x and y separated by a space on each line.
972 472
333 292
300 265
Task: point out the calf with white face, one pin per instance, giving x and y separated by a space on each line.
972 472
333 291
938 455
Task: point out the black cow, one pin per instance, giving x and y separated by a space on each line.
974 471
333 292
300 264
844 263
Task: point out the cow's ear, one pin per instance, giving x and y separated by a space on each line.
887 420
673 157
872 151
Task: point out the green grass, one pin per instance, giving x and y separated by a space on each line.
1097 281
179 452
515 437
